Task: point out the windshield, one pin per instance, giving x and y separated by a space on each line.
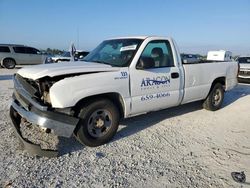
117 52
244 60
66 54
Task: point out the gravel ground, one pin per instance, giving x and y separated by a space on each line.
184 146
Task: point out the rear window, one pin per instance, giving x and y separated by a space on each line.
26 50
244 60
30 50
79 54
19 49
4 49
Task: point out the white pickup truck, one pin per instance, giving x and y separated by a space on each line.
122 77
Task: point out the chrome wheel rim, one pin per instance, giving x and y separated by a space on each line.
217 96
99 123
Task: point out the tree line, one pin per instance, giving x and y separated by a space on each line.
50 51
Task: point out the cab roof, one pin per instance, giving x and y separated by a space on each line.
139 37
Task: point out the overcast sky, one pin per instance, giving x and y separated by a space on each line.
196 25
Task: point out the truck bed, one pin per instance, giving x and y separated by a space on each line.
200 76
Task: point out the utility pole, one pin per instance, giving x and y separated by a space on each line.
77 37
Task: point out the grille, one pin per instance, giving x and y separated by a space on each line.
245 72
29 86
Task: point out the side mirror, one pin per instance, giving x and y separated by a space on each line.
145 63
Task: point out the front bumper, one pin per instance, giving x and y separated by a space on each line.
243 79
30 147
24 106
244 75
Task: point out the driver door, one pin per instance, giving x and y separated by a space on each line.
156 86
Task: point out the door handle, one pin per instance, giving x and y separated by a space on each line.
175 75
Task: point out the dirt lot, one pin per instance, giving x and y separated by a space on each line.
184 146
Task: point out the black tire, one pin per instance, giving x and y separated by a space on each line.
215 98
9 63
99 121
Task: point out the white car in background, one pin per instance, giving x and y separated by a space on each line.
12 55
66 56
244 74
190 58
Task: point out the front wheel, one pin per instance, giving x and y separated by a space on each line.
99 121
215 98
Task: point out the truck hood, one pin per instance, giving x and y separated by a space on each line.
57 69
245 65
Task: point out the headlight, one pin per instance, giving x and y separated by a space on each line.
46 97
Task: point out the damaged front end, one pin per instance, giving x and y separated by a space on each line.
31 106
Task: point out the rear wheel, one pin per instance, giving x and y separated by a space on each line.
215 98
98 124
9 63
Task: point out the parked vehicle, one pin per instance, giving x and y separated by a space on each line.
244 73
66 56
12 55
220 55
122 77
190 58
79 55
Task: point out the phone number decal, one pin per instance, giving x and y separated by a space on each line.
155 96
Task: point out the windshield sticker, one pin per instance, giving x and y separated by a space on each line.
126 48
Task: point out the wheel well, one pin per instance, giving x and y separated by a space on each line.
221 80
8 58
113 97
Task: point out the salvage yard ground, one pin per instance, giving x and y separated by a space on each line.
184 146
